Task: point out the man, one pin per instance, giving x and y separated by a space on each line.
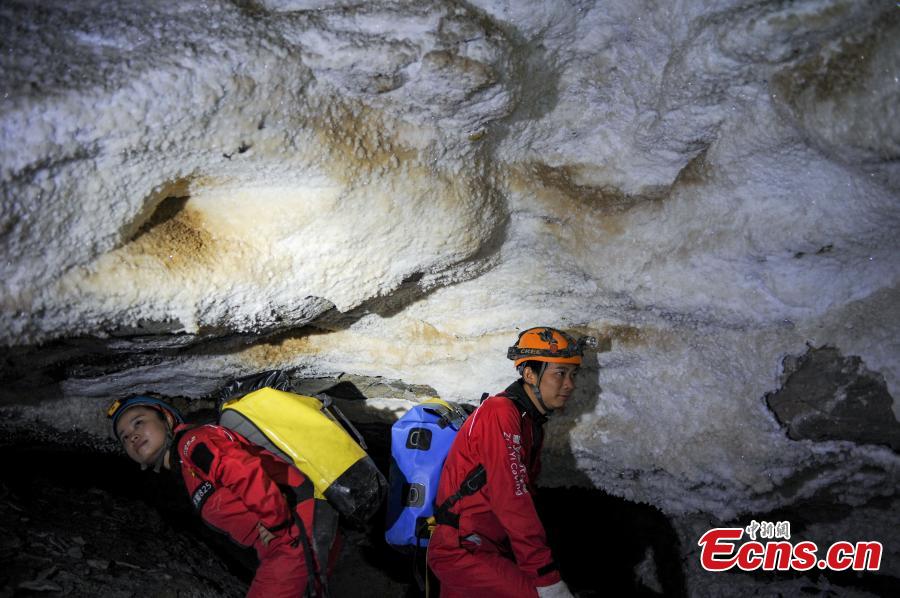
238 488
489 540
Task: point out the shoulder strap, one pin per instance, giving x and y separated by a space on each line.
329 405
473 482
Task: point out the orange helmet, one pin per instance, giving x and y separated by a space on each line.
543 343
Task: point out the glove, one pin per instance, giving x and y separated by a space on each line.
557 590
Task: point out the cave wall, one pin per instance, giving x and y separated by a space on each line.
392 190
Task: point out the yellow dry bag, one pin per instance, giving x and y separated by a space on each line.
302 430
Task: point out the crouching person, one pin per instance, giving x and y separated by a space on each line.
489 541
236 487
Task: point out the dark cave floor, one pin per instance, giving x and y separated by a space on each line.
81 523
78 522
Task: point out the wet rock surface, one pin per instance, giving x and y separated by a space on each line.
827 396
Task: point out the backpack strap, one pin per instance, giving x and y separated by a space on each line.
329 406
473 482
291 496
476 479
448 414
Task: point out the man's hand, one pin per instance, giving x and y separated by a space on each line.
557 590
264 534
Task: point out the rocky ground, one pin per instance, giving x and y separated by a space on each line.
78 521
64 530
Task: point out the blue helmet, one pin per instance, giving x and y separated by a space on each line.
120 406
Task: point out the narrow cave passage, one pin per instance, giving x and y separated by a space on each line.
78 522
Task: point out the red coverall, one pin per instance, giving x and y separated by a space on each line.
500 548
234 485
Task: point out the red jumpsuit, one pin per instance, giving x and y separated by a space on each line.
500 548
234 485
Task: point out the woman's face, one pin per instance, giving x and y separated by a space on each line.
142 432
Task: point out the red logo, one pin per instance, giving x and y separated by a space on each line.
721 549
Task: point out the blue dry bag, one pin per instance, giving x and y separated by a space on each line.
420 441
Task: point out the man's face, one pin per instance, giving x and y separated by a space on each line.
557 384
143 433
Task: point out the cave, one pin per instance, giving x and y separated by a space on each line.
81 523
376 198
